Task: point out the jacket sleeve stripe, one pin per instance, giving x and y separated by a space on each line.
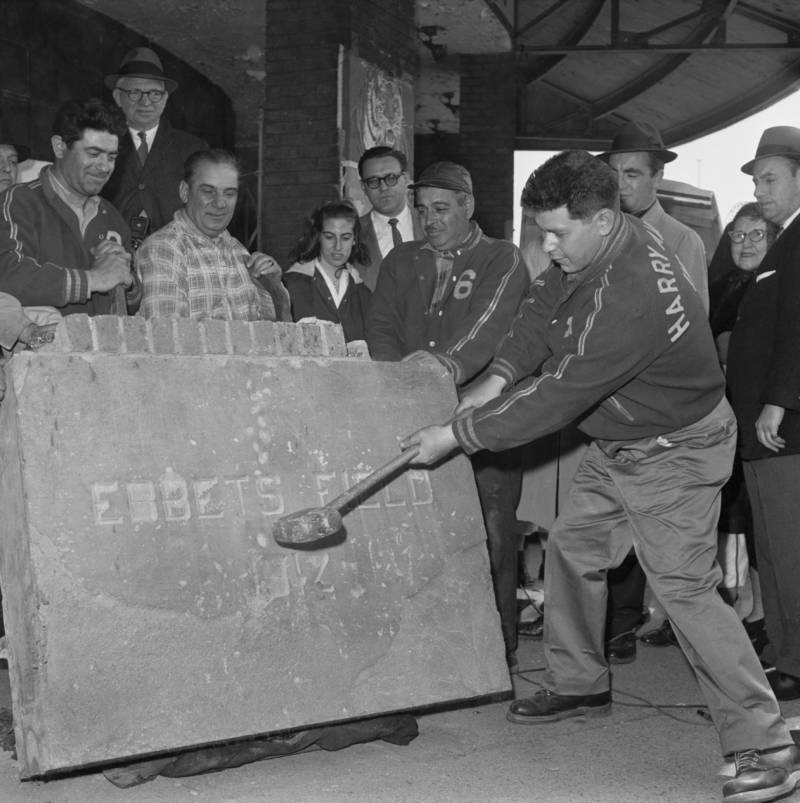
553 376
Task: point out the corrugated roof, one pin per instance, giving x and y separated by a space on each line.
584 67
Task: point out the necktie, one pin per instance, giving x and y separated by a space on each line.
142 149
397 238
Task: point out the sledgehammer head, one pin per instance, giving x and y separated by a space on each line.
306 526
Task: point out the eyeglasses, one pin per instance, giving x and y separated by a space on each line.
135 95
754 235
390 179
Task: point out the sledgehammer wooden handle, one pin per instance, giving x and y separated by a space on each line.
376 478
313 524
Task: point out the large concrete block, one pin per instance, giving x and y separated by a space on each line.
147 606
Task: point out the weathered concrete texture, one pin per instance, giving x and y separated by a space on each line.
148 607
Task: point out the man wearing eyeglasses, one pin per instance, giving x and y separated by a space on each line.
391 219
144 185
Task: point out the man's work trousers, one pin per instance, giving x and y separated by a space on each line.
498 477
773 485
660 495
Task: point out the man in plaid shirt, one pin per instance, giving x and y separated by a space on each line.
194 268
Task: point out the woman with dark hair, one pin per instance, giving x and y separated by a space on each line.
323 283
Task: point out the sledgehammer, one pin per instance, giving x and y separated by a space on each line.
312 524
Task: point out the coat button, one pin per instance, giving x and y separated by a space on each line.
432 344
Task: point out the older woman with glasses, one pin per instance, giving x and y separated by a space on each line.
734 264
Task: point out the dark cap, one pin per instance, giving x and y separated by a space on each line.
141 62
780 140
639 138
445 176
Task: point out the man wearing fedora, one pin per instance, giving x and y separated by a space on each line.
144 185
764 380
638 155
453 296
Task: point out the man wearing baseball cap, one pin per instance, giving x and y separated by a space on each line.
764 381
144 185
453 295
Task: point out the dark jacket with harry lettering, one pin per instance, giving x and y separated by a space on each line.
623 346
764 350
488 281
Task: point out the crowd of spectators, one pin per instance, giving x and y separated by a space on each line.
607 319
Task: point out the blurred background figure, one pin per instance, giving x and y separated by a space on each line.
11 156
322 282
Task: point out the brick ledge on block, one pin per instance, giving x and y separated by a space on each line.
112 334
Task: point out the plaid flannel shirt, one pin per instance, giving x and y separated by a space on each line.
188 274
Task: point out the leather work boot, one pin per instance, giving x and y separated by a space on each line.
547 706
621 650
763 776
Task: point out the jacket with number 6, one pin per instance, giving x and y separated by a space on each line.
488 282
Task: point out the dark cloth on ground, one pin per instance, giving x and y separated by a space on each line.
399 729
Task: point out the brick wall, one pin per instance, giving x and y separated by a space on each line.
301 138
112 334
488 123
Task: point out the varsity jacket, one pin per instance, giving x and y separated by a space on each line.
764 349
152 186
685 243
311 298
622 346
488 282
44 259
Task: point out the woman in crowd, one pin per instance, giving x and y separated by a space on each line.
735 262
323 283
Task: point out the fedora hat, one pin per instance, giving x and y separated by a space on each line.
639 137
141 62
780 140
